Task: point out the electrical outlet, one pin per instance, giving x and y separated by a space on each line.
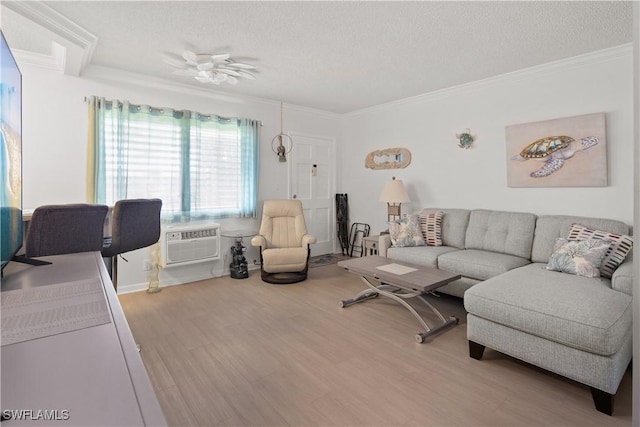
147 265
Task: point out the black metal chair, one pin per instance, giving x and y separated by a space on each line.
359 231
65 229
135 224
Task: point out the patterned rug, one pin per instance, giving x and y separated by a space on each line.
328 259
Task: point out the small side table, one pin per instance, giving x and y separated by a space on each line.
238 266
371 245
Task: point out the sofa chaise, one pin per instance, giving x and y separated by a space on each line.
578 327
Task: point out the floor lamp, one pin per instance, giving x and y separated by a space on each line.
394 194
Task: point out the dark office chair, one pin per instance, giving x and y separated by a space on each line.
135 224
65 229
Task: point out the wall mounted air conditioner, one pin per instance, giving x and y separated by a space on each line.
189 243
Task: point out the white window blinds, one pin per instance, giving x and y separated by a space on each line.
201 166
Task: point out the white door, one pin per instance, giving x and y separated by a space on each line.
311 180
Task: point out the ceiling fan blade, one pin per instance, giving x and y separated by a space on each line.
246 75
239 65
220 57
174 62
190 57
185 72
228 72
203 79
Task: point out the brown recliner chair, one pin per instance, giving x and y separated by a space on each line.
284 242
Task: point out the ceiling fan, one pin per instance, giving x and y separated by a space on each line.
208 68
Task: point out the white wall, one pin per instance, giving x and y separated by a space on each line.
443 175
55 145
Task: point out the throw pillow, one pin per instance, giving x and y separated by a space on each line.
406 232
431 225
579 257
620 246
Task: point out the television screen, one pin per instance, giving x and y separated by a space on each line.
10 154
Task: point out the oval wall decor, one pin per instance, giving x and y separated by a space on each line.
389 158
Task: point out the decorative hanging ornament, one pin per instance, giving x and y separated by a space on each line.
465 139
282 143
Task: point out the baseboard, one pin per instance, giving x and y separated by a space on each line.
136 287
164 282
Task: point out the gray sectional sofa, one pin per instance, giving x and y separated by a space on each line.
575 326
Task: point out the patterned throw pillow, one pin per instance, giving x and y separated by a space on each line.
431 225
406 232
620 246
579 257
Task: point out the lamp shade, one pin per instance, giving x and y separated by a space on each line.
394 192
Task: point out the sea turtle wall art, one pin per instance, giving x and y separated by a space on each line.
567 152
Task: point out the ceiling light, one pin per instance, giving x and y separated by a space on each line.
209 68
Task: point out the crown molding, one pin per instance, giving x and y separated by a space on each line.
80 44
56 61
604 55
116 75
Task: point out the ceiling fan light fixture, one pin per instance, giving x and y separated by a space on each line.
210 68
205 66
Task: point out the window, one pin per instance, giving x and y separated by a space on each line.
201 166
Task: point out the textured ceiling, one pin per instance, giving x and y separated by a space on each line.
346 56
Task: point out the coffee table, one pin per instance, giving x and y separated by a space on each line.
400 281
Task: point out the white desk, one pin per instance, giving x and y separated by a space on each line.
96 373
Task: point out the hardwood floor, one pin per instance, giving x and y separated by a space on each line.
243 352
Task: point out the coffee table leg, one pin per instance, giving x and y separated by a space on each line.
381 289
435 310
360 297
421 336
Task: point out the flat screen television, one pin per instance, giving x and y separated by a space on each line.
10 154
